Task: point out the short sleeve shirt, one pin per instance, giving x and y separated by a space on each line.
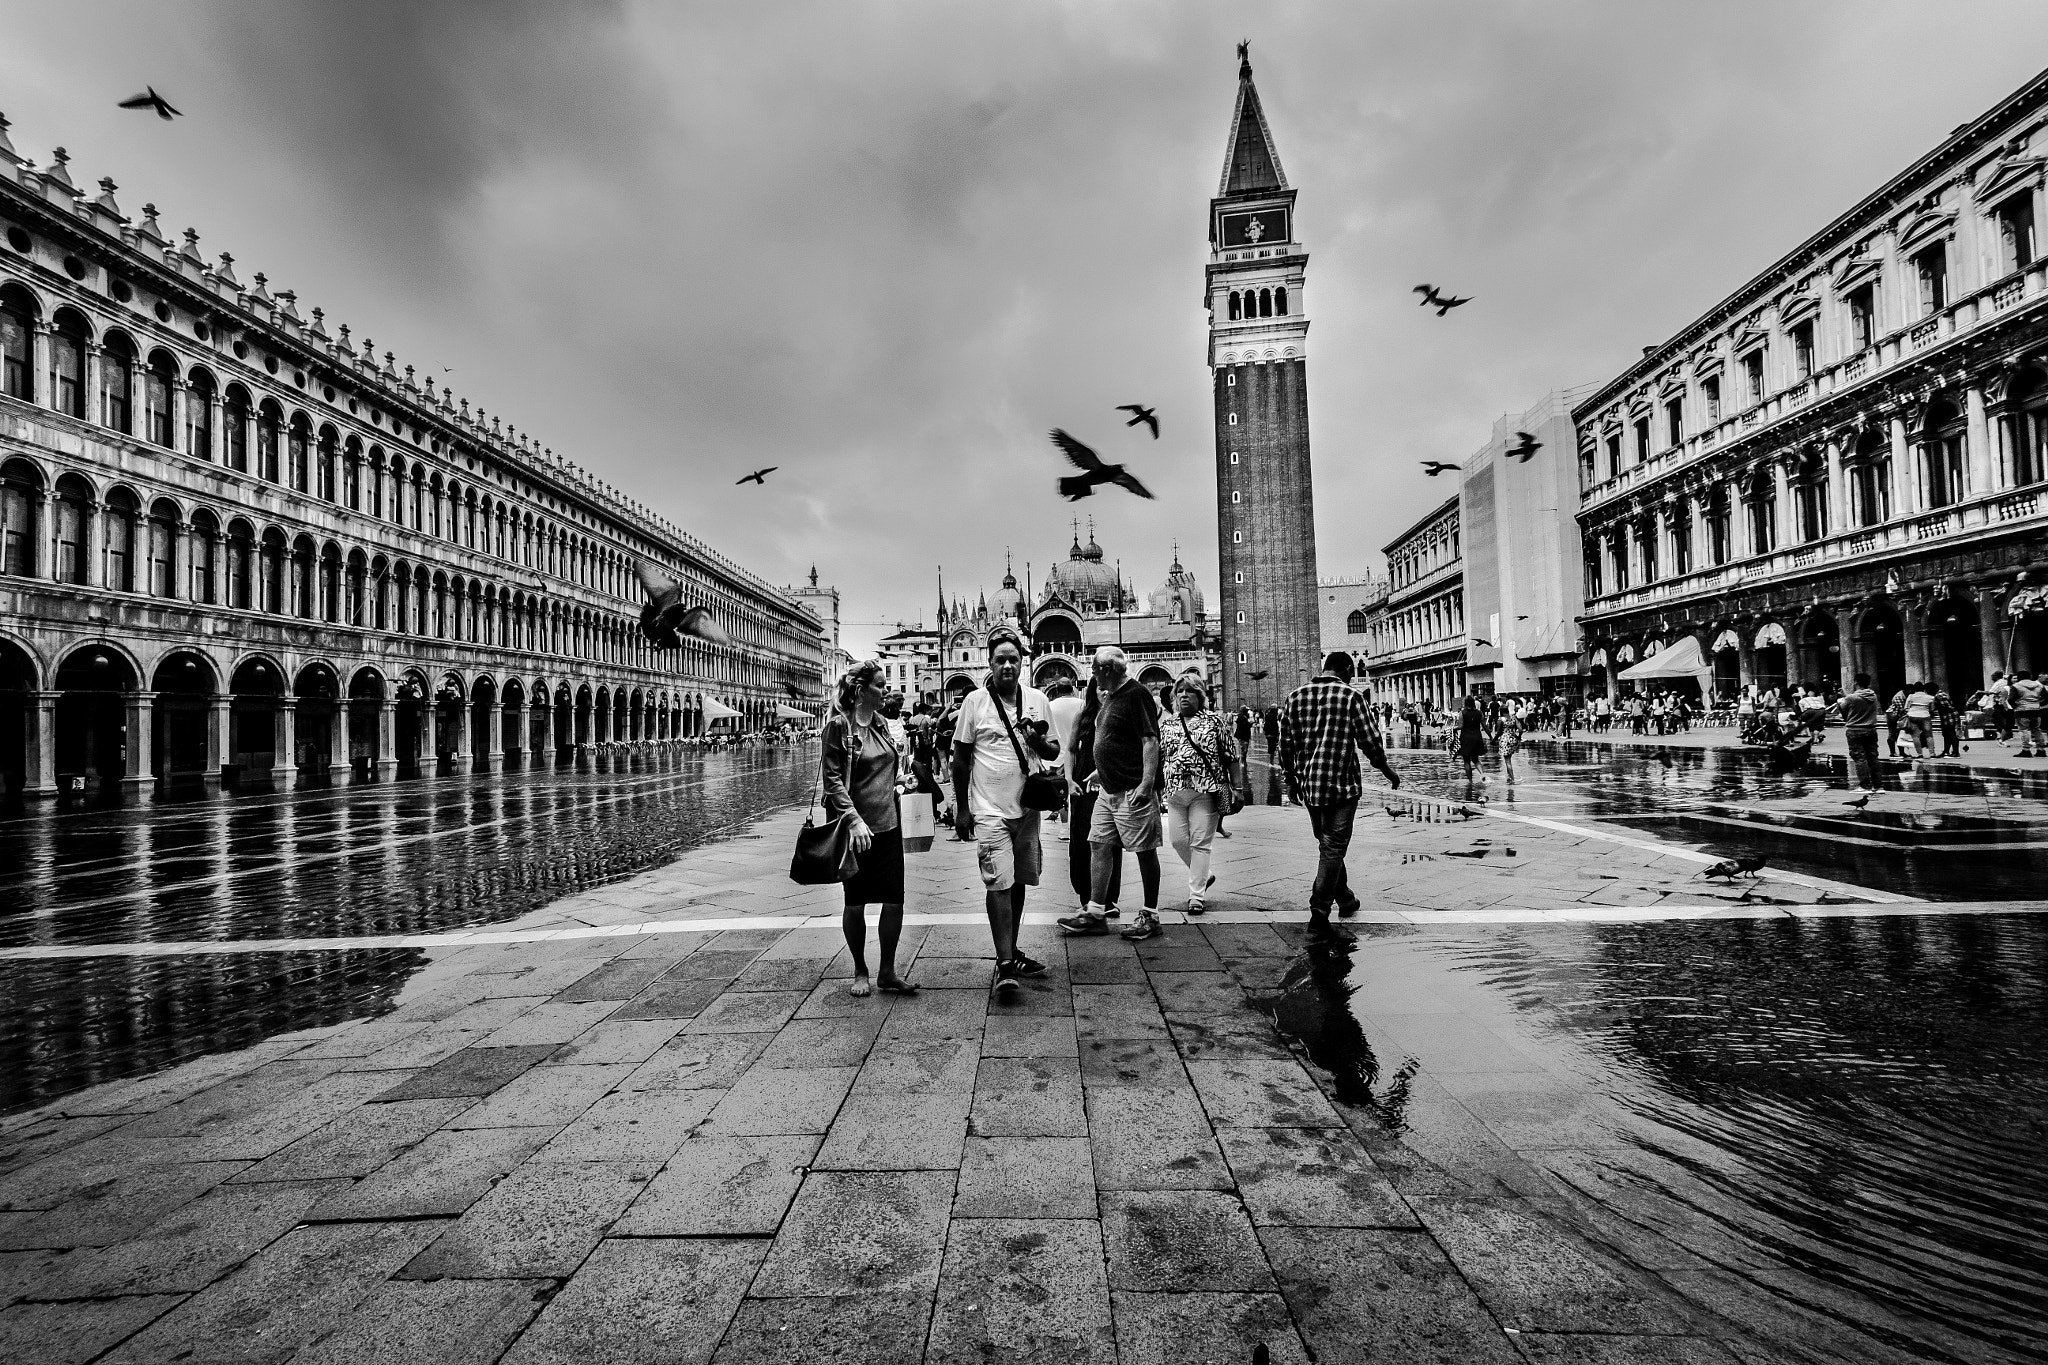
996 786
1129 716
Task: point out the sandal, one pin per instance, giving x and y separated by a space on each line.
898 988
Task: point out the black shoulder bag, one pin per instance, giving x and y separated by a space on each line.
824 853
1233 800
1042 790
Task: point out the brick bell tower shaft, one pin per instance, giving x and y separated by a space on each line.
1258 366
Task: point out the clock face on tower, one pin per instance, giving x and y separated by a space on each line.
1250 229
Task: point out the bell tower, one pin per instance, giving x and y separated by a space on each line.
1258 368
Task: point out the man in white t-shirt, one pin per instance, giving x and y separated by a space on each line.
986 769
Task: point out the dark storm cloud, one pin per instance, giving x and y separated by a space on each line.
886 246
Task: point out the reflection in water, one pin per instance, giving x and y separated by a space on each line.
1861 1100
409 857
1313 1006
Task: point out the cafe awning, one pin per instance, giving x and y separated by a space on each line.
1681 660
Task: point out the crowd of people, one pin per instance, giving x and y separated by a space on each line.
1126 767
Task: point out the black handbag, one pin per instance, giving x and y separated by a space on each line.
824 853
1042 790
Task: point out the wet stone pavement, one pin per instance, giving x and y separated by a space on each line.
647 1123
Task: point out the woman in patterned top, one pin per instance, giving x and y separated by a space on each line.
1198 764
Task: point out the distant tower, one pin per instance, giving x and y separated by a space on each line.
1258 365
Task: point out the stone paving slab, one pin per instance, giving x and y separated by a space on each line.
694 1144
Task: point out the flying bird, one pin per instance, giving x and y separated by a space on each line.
1260 674
1149 416
759 476
795 693
1435 467
149 99
1525 445
1094 471
666 618
1442 303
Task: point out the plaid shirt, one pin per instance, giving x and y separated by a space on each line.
1322 727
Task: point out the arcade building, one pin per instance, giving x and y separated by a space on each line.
237 544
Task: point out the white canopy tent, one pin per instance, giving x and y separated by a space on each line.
783 712
1681 660
714 709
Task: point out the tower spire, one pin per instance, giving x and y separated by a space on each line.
1251 162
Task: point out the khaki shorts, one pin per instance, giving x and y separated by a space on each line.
1008 851
1121 819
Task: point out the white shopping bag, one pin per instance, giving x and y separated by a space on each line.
914 815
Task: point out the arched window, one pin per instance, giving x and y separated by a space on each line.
234 416
1280 302
241 585
1265 303
120 540
325 457
269 427
273 571
199 415
2023 431
352 475
303 569
1354 624
163 540
1236 305
117 384
203 579
331 584
17 343
397 491
297 453
157 383
1646 547
19 486
1871 478
1941 455
1810 497
1763 513
67 364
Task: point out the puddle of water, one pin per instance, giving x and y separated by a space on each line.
1850 1113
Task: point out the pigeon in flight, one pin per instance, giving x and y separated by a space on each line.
1436 467
1260 674
795 693
1149 416
1525 445
1077 486
759 476
665 619
149 99
1441 302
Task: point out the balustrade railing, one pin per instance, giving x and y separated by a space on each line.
1925 335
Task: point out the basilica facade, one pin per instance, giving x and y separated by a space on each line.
1083 604
236 543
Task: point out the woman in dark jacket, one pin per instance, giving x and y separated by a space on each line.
1081 808
862 773
1471 738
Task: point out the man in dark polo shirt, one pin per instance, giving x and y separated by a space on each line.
1127 812
1859 724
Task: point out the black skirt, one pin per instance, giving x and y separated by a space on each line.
879 880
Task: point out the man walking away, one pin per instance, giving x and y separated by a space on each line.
1325 724
2028 694
1073 719
1859 723
990 807
1127 811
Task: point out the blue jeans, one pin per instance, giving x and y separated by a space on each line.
1332 828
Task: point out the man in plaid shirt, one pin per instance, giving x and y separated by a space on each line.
1322 727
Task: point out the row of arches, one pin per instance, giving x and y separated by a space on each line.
1258 303
53 356
97 715
1955 640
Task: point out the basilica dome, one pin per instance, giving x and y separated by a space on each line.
1178 591
1084 579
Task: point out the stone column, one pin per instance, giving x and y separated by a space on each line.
1784 515
1838 497
179 399
45 538
45 385
217 723
216 435
1845 622
1905 485
492 759
135 749
186 541
459 762
1913 629
95 401
284 751
39 744
386 766
1745 653
1981 459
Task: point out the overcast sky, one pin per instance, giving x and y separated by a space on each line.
886 246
